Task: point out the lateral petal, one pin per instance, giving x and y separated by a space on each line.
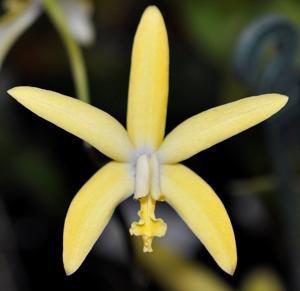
210 127
87 122
202 210
149 78
91 210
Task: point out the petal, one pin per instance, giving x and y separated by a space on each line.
205 129
87 122
203 212
14 23
78 15
149 77
91 210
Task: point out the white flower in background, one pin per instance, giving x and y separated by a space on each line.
21 14
78 17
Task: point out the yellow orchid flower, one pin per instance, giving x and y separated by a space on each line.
145 163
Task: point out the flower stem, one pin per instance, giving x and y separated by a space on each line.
78 67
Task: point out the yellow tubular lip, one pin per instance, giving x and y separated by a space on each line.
149 78
148 227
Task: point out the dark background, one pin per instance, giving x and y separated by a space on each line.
255 174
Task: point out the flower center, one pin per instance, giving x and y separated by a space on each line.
147 177
147 191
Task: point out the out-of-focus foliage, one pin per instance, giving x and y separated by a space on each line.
262 279
175 273
216 24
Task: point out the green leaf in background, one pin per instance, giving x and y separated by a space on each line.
215 25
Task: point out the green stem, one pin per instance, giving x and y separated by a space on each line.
75 55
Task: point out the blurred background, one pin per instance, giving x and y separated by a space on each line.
220 51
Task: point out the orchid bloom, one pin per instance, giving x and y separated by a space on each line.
145 163
22 13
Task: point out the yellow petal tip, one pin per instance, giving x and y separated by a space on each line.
14 92
72 258
71 263
152 18
281 100
275 102
70 268
20 92
68 272
228 261
152 11
231 269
